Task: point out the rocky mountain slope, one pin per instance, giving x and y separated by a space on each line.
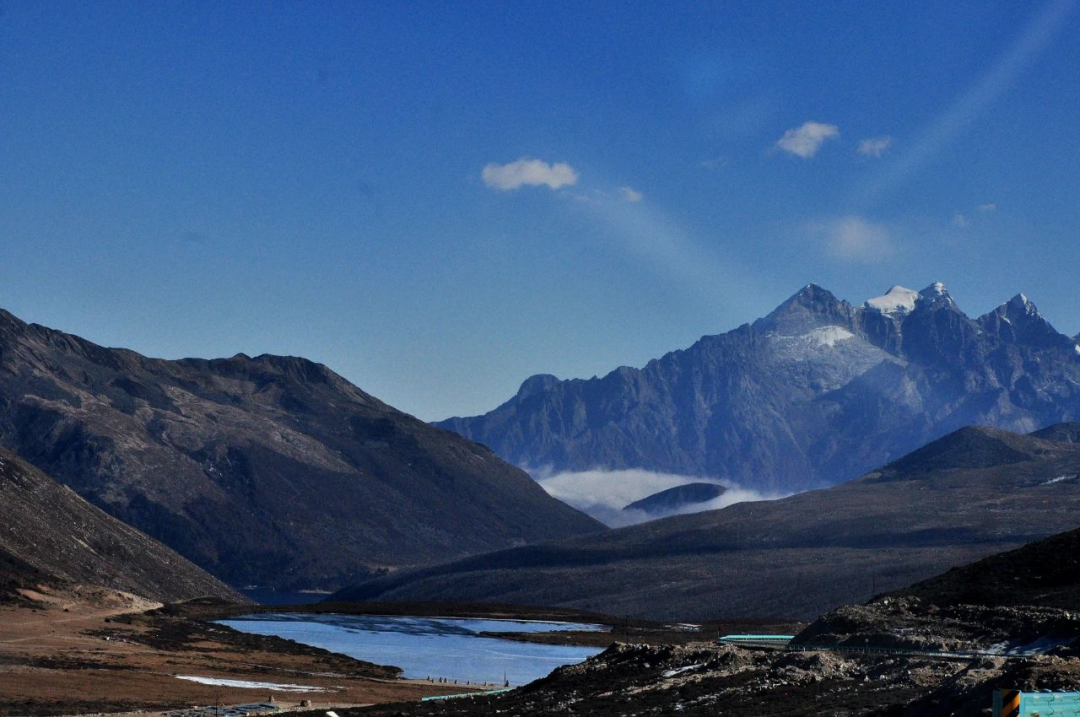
49 534
270 470
1021 603
816 393
1045 573
972 493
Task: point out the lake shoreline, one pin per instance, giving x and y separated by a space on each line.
449 650
621 629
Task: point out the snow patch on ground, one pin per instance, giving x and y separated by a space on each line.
247 685
1061 479
680 670
829 335
1038 647
896 301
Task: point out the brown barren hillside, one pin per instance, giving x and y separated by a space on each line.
270 470
49 534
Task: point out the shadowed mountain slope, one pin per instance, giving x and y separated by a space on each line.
48 534
972 493
816 393
270 470
674 499
1061 432
1045 573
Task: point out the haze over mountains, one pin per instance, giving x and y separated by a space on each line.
271 470
974 492
816 393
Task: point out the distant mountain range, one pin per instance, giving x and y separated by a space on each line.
817 392
974 492
50 535
272 470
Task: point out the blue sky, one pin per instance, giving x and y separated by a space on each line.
345 181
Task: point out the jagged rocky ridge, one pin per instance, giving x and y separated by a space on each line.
816 393
270 470
50 535
974 492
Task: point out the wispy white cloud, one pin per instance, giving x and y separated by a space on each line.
959 220
643 231
805 141
604 493
1010 65
527 172
715 163
875 146
853 238
988 207
630 194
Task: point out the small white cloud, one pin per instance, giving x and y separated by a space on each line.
630 194
528 172
959 220
875 146
805 141
853 238
715 163
987 207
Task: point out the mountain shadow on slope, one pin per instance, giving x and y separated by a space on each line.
1060 432
1045 573
968 448
678 498
793 557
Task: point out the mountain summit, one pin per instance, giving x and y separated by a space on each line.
817 392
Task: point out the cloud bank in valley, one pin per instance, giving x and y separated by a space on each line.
604 493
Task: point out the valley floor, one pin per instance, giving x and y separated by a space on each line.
89 650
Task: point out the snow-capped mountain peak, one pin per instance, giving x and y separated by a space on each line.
1018 308
895 301
936 296
1022 303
